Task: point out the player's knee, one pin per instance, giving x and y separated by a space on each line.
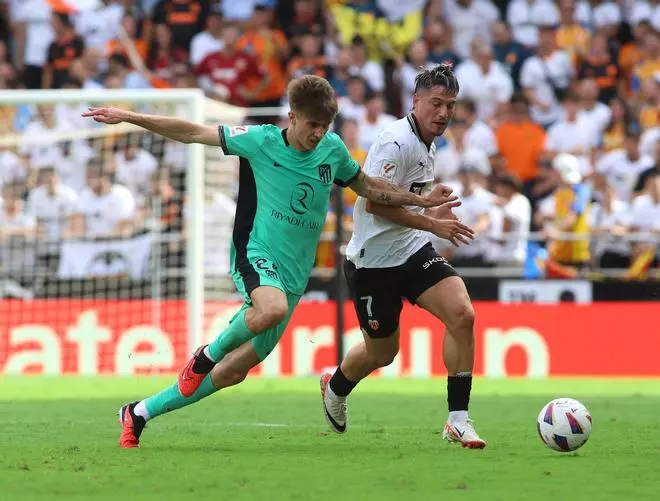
273 315
463 320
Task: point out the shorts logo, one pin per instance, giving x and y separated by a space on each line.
374 324
302 198
437 259
238 130
325 172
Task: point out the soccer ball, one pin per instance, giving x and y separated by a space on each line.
564 424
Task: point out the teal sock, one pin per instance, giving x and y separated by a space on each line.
231 338
171 399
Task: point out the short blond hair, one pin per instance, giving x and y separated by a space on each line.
312 98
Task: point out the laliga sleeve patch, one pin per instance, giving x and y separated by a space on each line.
388 171
238 130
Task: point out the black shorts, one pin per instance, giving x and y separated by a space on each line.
378 293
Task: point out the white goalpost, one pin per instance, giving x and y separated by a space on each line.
116 313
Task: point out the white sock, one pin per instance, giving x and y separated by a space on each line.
458 416
141 410
207 352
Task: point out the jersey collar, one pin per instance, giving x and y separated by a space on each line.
286 141
414 125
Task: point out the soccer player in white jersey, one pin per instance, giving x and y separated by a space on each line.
390 258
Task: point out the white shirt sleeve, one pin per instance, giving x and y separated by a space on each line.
387 159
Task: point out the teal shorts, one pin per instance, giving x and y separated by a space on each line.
262 272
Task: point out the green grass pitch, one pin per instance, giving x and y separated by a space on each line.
267 440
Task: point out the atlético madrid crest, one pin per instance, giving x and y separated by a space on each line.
374 324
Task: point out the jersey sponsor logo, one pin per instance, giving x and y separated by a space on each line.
417 188
238 130
302 198
307 224
388 171
325 173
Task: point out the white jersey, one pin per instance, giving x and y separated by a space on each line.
400 156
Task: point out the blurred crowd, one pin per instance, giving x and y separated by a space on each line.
554 148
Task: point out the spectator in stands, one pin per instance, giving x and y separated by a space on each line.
630 55
12 168
484 80
600 65
623 167
516 220
521 143
271 48
130 25
608 223
468 19
544 77
598 113
104 208
99 25
642 181
185 18
649 103
134 167
341 72
307 18
645 217
50 205
525 17
406 72
32 33
119 69
38 144
571 36
478 134
474 211
352 106
369 70
70 159
7 73
447 158
373 121
508 52
310 60
439 43
573 133
613 135
86 69
163 53
649 65
66 47
227 74
17 233
209 41
567 211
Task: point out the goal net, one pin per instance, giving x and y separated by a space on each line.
112 239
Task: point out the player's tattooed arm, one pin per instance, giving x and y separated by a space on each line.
169 127
379 191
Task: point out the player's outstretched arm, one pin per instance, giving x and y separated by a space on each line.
447 227
379 191
169 127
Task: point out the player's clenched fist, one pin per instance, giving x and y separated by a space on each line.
440 195
108 115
